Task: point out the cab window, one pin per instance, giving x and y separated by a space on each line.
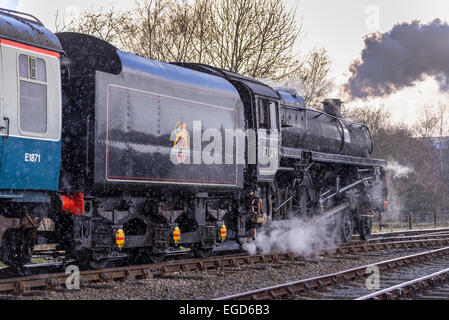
264 114
275 118
268 114
33 94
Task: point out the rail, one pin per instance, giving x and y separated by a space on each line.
290 289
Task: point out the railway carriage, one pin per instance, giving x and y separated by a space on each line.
131 158
30 130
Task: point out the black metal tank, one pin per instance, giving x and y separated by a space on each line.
309 129
126 118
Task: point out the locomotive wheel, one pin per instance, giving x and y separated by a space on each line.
302 204
18 245
202 253
156 258
365 227
332 231
305 202
346 227
100 264
276 200
146 256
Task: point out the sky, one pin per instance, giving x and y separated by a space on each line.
338 26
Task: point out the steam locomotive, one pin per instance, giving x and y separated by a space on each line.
108 155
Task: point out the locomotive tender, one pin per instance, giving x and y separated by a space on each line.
110 155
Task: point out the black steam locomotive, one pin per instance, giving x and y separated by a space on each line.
109 155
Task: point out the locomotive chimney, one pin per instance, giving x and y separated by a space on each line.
332 107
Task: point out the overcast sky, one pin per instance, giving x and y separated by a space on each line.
338 26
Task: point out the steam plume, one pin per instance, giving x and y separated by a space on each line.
401 57
398 171
395 171
299 237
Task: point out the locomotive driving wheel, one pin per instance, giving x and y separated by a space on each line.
365 227
276 201
301 205
346 227
17 247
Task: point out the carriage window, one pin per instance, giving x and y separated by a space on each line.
33 94
264 114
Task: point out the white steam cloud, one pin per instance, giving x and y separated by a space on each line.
397 170
297 237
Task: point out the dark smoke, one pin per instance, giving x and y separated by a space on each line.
398 59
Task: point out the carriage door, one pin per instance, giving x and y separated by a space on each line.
268 138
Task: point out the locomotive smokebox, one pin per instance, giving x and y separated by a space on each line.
332 107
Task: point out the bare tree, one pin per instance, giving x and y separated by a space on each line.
443 110
442 117
424 188
105 25
375 118
311 80
187 32
427 125
203 37
252 37
144 34
256 38
314 75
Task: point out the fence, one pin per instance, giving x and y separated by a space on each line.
410 219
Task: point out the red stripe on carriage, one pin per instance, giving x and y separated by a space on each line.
30 48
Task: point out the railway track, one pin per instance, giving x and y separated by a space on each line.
39 279
410 232
407 232
433 286
439 235
398 276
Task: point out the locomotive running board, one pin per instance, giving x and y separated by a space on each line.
331 158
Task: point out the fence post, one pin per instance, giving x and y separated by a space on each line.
435 218
380 221
410 225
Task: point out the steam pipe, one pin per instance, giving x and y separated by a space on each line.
284 203
344 189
